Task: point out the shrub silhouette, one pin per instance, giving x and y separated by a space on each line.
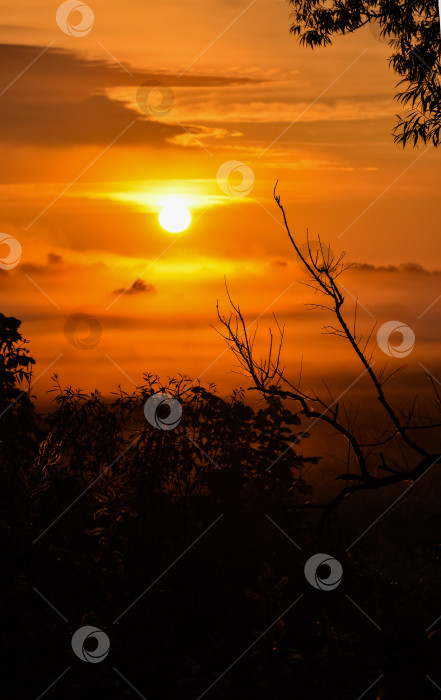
162 540
109 501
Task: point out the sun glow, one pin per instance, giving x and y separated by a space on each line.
174 216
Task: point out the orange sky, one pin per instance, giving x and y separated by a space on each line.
85 171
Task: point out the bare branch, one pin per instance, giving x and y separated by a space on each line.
269 379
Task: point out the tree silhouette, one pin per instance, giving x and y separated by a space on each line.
165 541
15 362
374 467
412 30
16 410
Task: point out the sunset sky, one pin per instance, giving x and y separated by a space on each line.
86 171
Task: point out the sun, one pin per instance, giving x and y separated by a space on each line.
174 216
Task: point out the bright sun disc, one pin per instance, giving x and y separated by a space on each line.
174 216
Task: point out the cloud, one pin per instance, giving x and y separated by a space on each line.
139 286
63 99
53 263
402 268
54 259
53 270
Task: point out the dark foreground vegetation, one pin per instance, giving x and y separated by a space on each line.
168 541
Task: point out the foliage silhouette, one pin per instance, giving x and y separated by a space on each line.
412 30
103 522
15 362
